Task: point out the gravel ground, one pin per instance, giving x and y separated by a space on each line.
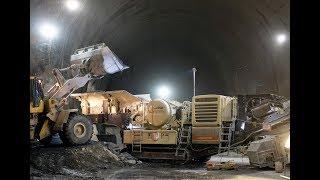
190 171
95 161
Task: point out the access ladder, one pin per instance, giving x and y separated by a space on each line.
136 140
183 141
225 137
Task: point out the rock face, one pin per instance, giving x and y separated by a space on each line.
80 161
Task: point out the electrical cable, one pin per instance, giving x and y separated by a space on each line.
246 137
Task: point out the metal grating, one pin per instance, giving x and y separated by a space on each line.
206 110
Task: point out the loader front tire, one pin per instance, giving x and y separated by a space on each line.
77 130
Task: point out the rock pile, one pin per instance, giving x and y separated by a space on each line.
78 161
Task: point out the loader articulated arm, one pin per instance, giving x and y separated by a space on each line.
63 88
70 86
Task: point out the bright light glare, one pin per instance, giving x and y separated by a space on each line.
72 5
163 92
131 126
48 31
242 126
281 38
287 145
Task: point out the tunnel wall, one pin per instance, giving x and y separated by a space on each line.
231 43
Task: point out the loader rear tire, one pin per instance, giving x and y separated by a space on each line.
77 130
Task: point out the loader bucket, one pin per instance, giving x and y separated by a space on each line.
98 60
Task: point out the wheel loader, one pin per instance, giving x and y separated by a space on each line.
50 112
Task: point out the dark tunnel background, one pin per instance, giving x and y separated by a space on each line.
231 43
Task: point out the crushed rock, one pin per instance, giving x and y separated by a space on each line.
79 161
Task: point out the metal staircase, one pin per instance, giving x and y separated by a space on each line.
183 141
225 137
136 141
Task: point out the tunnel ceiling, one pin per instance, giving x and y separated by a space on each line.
231 43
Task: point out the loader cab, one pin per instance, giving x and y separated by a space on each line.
36 95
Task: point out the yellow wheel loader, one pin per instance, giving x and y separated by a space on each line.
51 115
50 112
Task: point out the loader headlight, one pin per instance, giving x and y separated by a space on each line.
287 144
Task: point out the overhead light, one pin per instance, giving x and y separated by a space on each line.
72 5
163 92
281 38
48 31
